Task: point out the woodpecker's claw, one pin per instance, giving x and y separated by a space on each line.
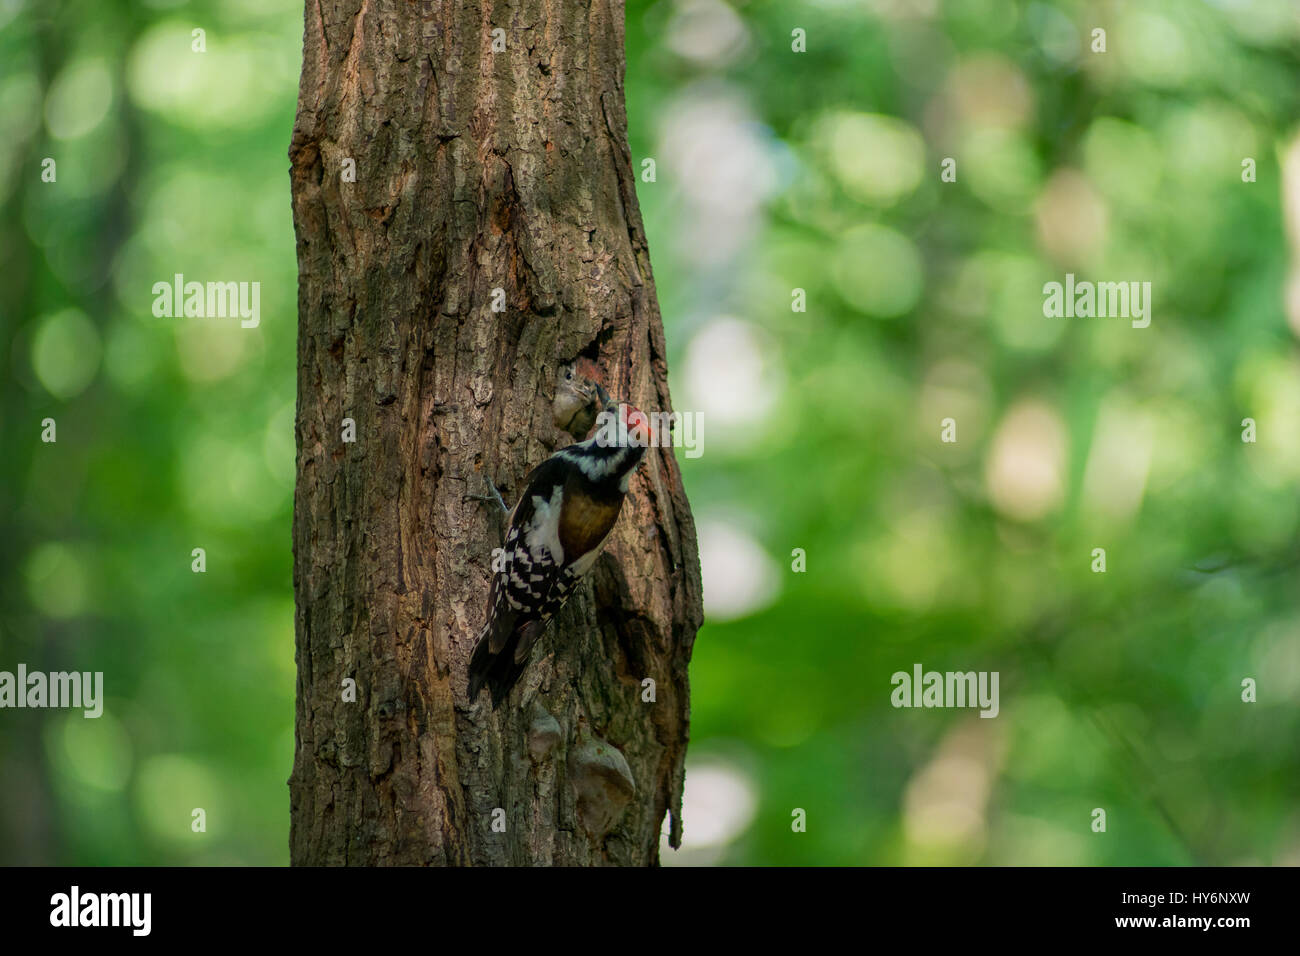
495 496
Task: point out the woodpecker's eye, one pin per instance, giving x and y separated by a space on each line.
568 374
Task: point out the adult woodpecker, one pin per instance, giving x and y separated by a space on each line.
569 506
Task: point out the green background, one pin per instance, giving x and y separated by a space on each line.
774 170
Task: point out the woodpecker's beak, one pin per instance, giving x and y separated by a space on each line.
603 395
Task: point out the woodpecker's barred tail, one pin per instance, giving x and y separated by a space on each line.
501 671
570 504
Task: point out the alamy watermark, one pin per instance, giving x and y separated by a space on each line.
683 430
1102 300
75 908
923 688
215 300
56 689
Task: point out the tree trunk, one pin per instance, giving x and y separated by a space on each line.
475 171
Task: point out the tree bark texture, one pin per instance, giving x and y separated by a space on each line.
475 171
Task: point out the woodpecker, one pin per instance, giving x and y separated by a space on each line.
578 398
554 534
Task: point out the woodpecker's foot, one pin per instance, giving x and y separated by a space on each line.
495 496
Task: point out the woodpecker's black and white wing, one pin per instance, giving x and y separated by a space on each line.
528 587
569 506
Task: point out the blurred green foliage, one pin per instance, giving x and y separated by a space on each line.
774 171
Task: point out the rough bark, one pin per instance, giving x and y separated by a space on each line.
475 171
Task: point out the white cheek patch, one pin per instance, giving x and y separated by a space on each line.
544 530
596 469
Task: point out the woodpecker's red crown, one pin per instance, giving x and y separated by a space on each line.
636 424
